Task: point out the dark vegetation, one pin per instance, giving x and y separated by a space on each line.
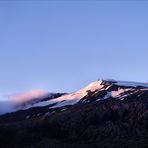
109 123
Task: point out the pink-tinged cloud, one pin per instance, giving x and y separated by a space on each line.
28 96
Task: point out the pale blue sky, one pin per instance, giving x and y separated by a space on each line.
63 46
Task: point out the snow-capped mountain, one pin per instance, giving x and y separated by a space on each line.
110 89
106 113
101 89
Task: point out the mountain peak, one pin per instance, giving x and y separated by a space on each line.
124 83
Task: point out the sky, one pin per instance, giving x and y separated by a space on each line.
61 46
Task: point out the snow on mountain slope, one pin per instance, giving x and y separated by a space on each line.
115 94
72 98
100 90
127 83
100 85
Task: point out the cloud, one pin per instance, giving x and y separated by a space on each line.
28 96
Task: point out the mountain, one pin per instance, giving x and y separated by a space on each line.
104 114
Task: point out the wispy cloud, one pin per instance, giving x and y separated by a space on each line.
27 96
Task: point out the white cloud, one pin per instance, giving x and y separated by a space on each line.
28 96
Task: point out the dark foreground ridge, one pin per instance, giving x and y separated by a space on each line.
110 115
